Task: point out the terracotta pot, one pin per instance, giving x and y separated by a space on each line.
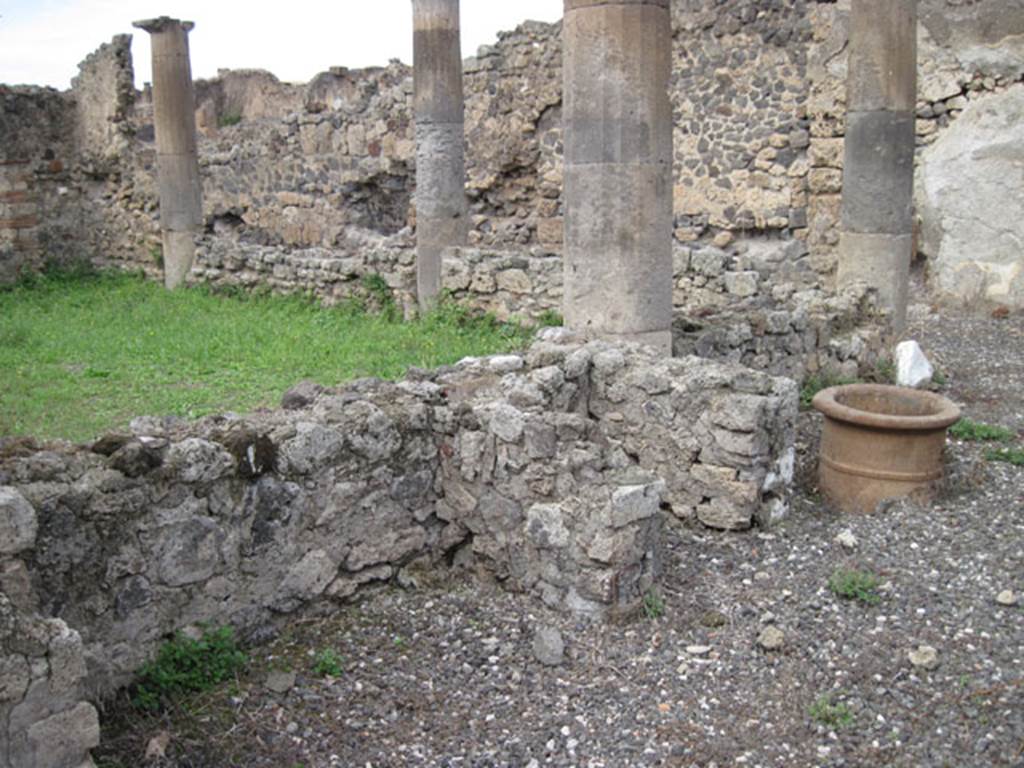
880 442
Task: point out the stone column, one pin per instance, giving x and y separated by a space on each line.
441 216
617 122
181 208
876 237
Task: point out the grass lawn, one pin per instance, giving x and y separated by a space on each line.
82 355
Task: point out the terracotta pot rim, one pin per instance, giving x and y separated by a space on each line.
946 412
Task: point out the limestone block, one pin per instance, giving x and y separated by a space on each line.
18 525
968 198
912 367
199 461
64 740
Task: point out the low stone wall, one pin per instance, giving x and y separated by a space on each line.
553 471
755 302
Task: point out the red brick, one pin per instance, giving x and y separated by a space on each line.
19 222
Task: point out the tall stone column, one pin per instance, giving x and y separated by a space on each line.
441 215
876 237
181 208
617 124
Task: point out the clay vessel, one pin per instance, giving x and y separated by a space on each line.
880 442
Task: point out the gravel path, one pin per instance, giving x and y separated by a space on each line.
449 675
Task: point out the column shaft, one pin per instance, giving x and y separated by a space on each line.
441 215
181 210
617 122
878 165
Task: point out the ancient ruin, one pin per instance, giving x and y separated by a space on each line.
441 219
618 163
181 206
876 245
729 182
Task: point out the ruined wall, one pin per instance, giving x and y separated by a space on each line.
552 471
35 145
967 52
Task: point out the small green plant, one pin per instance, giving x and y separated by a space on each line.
156 253
380 295
654 605
885 371
1014 456
549 318
834 716
185 665
230 118
398 642
328 663
816 382
939 379
855 585
975 431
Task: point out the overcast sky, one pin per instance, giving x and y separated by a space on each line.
42 41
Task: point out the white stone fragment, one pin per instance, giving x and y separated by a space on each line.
912 367
924 657
1007 597
846 538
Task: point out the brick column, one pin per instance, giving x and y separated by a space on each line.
441 216
876 237
181 208
618 169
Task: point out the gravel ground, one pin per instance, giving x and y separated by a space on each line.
449 675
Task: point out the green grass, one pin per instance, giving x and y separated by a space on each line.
975 431
654 605
1013 456
834 716
80 355
184 666
855 585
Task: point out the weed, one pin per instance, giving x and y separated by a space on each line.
975 431
398 642
816 382
380 294
884 372
654 605
855 585
1014 456
834 716
549 318
184 665
156 253
328 663
939 379
230 118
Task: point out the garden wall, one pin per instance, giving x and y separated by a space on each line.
552 472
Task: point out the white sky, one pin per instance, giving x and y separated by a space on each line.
42 41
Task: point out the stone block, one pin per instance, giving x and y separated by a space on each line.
18 524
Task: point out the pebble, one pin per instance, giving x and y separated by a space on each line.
714 618
846 538
280 682
548 646
1007 597
771 638
924 657
698 650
